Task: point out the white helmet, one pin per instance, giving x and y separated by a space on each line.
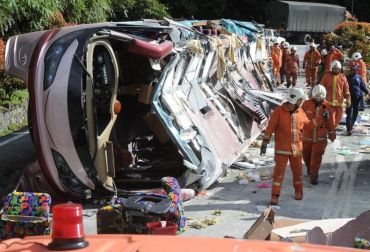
286 45
346 60
318 92
324 52
295 94
335 63
275 41
356 56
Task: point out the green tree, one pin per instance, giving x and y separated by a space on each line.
21 16
196 9
138 9
86 11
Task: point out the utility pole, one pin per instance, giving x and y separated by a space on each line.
353 3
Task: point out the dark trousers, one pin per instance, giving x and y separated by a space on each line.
352 111
282 75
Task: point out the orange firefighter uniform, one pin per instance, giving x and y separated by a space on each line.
291 69
332 55
276 56
315 136
337 89
287 127
311 61
362 70
284 55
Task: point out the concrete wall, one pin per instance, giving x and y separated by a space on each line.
14 115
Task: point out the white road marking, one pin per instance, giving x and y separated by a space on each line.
342 186
18 135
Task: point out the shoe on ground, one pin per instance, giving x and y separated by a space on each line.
349 133
313 178
298 195
313 181
274 200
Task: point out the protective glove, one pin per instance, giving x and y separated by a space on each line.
348 103
263 148
325 115
332 136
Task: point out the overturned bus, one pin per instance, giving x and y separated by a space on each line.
117 106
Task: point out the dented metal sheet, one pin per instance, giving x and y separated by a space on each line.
167 99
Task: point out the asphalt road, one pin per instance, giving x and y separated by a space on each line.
16 152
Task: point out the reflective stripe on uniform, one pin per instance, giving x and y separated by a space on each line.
294 127
315 128
334 91
283 152
276 184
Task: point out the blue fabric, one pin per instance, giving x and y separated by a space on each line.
356 85
352 111
241 28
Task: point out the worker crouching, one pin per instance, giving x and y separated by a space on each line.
287 122
315 136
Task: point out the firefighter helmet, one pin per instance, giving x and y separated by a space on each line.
295 94
356 56
318 92
336 64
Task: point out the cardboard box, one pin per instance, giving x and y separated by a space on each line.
286 223
334 232
262 227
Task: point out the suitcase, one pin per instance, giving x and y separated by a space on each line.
25 214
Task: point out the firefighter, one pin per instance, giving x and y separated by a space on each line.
315 136
291 67
337 91
356 87
333 54
321 69
287 122
276 60
357 57
284 55
311 61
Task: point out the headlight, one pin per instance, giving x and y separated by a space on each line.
65 174
53 57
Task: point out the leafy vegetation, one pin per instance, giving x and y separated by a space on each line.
138 9
354 36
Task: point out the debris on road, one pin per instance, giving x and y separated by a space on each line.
199 223
263 185
243 182
217 212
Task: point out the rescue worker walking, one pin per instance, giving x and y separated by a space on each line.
287 122
315 136
356 87
276 60
337 90
311 61
321 69
284 55
333 54
291 67
357 57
